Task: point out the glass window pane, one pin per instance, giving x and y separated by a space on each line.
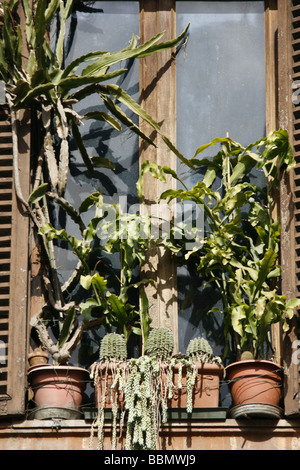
105 26
109 28
100 26
220 86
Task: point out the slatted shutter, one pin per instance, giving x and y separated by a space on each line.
289 118
13 274
6 188
296 125
295 38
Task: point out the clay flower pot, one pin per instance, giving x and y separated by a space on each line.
205 391
38 356
255 382
58 386
105 395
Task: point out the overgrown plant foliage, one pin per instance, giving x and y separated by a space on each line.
123 237
240 248
37 78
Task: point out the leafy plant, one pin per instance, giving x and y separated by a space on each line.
239 251
48 87
109 301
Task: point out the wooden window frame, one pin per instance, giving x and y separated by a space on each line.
158 76
158 97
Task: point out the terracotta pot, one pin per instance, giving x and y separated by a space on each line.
38 356
205 390
103 390
255 381
58 386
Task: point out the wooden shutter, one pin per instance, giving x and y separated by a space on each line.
13 274
289 118
5 240
295 37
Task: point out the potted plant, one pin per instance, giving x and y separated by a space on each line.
238 254
48 88
140 391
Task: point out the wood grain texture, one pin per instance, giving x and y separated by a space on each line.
158 98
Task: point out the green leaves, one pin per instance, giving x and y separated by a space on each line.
38 193
239 251
67 326
94 280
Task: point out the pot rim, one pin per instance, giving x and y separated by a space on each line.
47 367
252 362
217 369
38 353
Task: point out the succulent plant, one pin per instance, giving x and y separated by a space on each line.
160 343
113 347
246 356
199 349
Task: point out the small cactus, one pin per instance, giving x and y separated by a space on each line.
199 347
246 356
160 343
200 350
113 347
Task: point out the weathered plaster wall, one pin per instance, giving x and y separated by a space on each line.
204 435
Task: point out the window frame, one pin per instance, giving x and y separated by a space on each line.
156 16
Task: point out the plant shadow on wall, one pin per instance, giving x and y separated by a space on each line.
238 253
49 90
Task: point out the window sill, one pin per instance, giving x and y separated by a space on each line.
229 434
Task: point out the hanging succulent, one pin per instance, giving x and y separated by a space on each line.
142 390
113 347
108 376
142 396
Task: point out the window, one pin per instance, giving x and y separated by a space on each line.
162 81
220 90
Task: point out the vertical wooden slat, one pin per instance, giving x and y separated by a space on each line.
18 314
158 98
14 230
5 242
288 70
271 30
13 270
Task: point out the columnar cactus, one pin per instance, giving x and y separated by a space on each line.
160 343
113 347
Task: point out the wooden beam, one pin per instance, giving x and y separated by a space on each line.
271 42
158 98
